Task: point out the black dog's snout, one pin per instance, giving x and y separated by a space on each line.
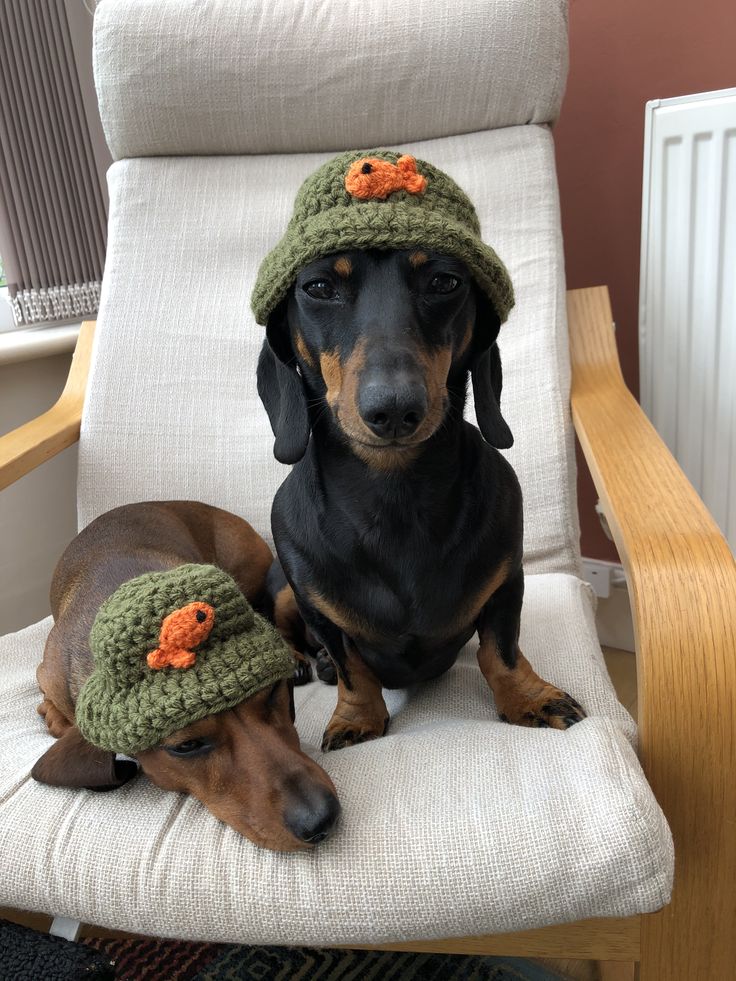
390 412
313 816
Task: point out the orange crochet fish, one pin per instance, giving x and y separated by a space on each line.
370 178
181 631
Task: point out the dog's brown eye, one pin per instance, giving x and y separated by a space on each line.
320 289
190 747
443 283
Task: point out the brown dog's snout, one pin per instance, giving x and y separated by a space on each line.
311 813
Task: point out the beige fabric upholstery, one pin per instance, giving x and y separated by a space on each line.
234 76
454 823
173 409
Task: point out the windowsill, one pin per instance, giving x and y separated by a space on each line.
28 343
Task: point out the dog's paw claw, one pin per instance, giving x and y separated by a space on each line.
560 711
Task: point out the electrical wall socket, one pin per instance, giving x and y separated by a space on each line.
598 575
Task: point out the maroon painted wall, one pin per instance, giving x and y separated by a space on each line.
621 55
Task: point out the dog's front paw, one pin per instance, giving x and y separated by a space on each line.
549 709
339 733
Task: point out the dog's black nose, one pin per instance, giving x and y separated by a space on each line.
312 817
392 413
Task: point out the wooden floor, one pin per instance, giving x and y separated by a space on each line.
622 669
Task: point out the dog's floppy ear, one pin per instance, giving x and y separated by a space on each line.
487 378
73 762
281 391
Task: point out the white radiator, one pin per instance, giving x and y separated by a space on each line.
687 293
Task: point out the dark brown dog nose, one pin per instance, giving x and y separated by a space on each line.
392 413
313 816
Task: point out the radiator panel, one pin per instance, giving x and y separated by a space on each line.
687 310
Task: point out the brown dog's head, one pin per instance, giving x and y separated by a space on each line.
377 343
244 765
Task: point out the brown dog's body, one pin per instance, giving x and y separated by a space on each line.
255 777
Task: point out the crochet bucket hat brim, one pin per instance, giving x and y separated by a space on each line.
327 219
126 706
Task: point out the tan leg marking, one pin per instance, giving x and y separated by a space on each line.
360 713
522 697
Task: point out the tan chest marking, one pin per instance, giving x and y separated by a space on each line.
351 623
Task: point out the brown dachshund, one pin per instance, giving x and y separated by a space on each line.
244 764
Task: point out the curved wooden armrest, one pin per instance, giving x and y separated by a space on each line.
682 582
30 445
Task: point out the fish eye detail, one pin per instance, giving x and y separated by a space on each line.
181 632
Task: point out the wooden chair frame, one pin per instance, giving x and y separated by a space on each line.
682 582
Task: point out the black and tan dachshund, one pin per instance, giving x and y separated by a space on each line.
399 528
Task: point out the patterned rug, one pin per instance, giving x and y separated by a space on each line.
168 960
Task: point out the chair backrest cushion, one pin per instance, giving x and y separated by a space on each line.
238 76
173 409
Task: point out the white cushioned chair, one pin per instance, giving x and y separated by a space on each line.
455 825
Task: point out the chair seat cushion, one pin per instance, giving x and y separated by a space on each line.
454 823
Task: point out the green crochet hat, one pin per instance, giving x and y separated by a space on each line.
170 648
379 199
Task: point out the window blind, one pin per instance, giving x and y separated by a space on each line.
53 210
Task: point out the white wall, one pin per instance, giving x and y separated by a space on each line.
37 513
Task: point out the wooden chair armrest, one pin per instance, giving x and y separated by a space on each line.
25 448
682 582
